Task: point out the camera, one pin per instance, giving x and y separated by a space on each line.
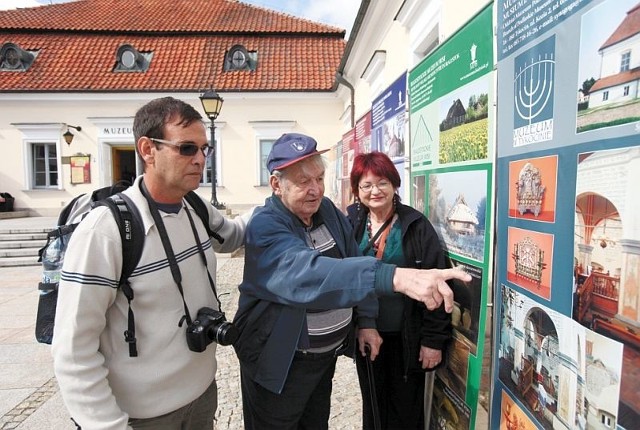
209 326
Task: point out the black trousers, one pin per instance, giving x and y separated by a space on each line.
304 403
400 401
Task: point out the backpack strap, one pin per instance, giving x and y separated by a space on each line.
131 229
110 190
58 232
199 206
64 213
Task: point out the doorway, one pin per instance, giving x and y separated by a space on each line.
124 164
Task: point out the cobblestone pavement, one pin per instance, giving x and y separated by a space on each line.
29 395
345 400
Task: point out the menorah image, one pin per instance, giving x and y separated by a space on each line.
533 87
529 259
530 263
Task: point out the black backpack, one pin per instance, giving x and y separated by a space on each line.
131 231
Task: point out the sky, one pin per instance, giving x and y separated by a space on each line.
339 13
597 25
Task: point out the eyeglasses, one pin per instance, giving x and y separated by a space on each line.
188 149
381 186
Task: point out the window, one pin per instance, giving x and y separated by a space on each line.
265 148
206 173
374 72
625 60
41 149
605 96
626 90
266 133
129 59
44 165
239 58
14 58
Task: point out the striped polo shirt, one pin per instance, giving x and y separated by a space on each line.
328 328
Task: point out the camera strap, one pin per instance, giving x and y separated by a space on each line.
166 244
204 258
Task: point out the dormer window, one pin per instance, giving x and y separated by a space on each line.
129 59
14 58
239 58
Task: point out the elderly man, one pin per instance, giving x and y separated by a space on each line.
303 277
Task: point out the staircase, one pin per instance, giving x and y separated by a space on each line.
21 238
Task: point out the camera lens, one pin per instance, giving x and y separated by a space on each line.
226 334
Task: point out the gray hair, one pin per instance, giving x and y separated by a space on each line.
315 161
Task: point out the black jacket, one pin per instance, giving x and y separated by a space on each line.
422 250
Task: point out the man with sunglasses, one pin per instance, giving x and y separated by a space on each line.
167 386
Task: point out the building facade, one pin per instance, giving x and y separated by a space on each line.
388 39
85 67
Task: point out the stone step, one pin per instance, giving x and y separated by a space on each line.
21 239
19 252
14 214
14 244
25 229
15 237
20 261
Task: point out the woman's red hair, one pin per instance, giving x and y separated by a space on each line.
377 163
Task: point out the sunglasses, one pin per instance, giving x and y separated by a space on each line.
188 149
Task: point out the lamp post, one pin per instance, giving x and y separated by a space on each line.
212 105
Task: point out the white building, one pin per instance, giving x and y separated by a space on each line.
87 66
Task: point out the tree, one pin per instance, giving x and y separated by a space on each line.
586 86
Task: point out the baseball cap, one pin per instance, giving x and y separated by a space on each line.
291 148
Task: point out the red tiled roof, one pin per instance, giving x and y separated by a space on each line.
77 44
617 79
630 26
192 16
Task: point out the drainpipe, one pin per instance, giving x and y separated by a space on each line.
341 79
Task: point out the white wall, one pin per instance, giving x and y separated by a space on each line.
311 113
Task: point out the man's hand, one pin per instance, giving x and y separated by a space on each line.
428 286
430 357
369 336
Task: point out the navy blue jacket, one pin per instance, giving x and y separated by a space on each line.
283 277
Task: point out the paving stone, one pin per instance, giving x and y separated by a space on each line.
43 407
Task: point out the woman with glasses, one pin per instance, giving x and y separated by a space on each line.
411 338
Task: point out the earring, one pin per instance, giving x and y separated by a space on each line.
358 204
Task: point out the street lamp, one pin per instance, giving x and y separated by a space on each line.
68 136
212 105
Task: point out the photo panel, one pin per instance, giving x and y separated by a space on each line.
463 123
607 88
529 260
454 374
606 272
458 211
419 192
448 411
533 188
512 417
557 370
467 297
